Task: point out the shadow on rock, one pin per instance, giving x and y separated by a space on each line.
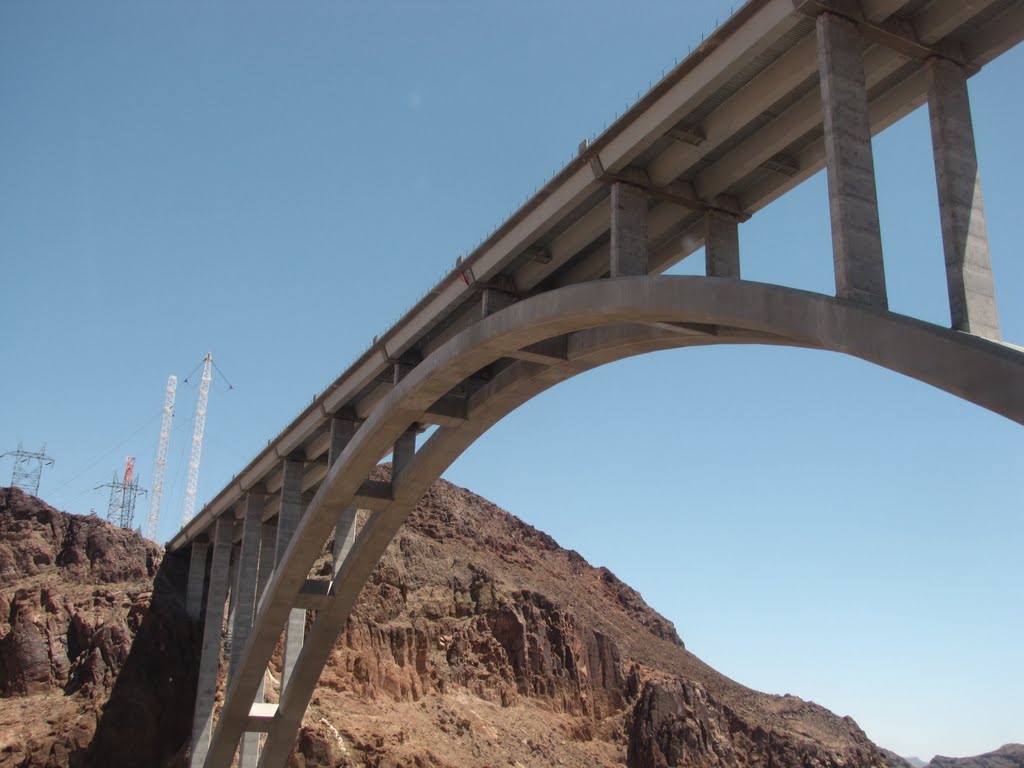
147 720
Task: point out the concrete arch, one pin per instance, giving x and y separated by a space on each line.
596 323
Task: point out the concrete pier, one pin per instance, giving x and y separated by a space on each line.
209 660
344 538
342 430
628 231
249 749
721 245
229 629
268 545
492 301
853 202
404 450
972 299
196 579
244 602
287 521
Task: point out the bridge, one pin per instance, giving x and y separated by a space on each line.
575 279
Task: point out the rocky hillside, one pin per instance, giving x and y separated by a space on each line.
74 594
479 641
1007 756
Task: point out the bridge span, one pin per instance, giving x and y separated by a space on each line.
574 279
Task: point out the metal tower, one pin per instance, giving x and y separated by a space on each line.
123 493
161 459
28 468
197 440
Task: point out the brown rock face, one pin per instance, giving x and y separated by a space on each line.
678 723
36 539
72 594
478 642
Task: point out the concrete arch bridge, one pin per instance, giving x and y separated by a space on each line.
574 280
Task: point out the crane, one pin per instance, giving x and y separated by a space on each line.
188 512
161 459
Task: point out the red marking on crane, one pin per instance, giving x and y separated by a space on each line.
129 470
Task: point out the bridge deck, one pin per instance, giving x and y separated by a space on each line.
734 126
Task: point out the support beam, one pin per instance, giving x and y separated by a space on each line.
374 495
759 95
789 127
229 629
196 579
268 544
249 750
972 295
261 718
550 351
342 430
345 530
721 245
404 450
492 301
287 521
856 234
315 593
209 659
448 411
344 538
244 601
629 231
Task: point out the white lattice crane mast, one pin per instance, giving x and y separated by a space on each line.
197 441
153 523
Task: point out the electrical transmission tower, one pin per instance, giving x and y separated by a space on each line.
161 459
197 440
123 493
28 468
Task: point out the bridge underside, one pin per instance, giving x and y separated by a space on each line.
578 328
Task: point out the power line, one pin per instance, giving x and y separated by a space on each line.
101 456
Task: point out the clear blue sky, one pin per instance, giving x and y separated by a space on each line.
277 183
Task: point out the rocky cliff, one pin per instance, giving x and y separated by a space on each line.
96 654
479 641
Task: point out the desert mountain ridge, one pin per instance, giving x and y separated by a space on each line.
477 642
1007 756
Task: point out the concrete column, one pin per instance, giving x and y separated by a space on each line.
209 659
629 231
244 602
972 294
344 538
492 301
268 546
401 455
342 430
721 245
196 579
287 521
856 234
229 630
249 750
